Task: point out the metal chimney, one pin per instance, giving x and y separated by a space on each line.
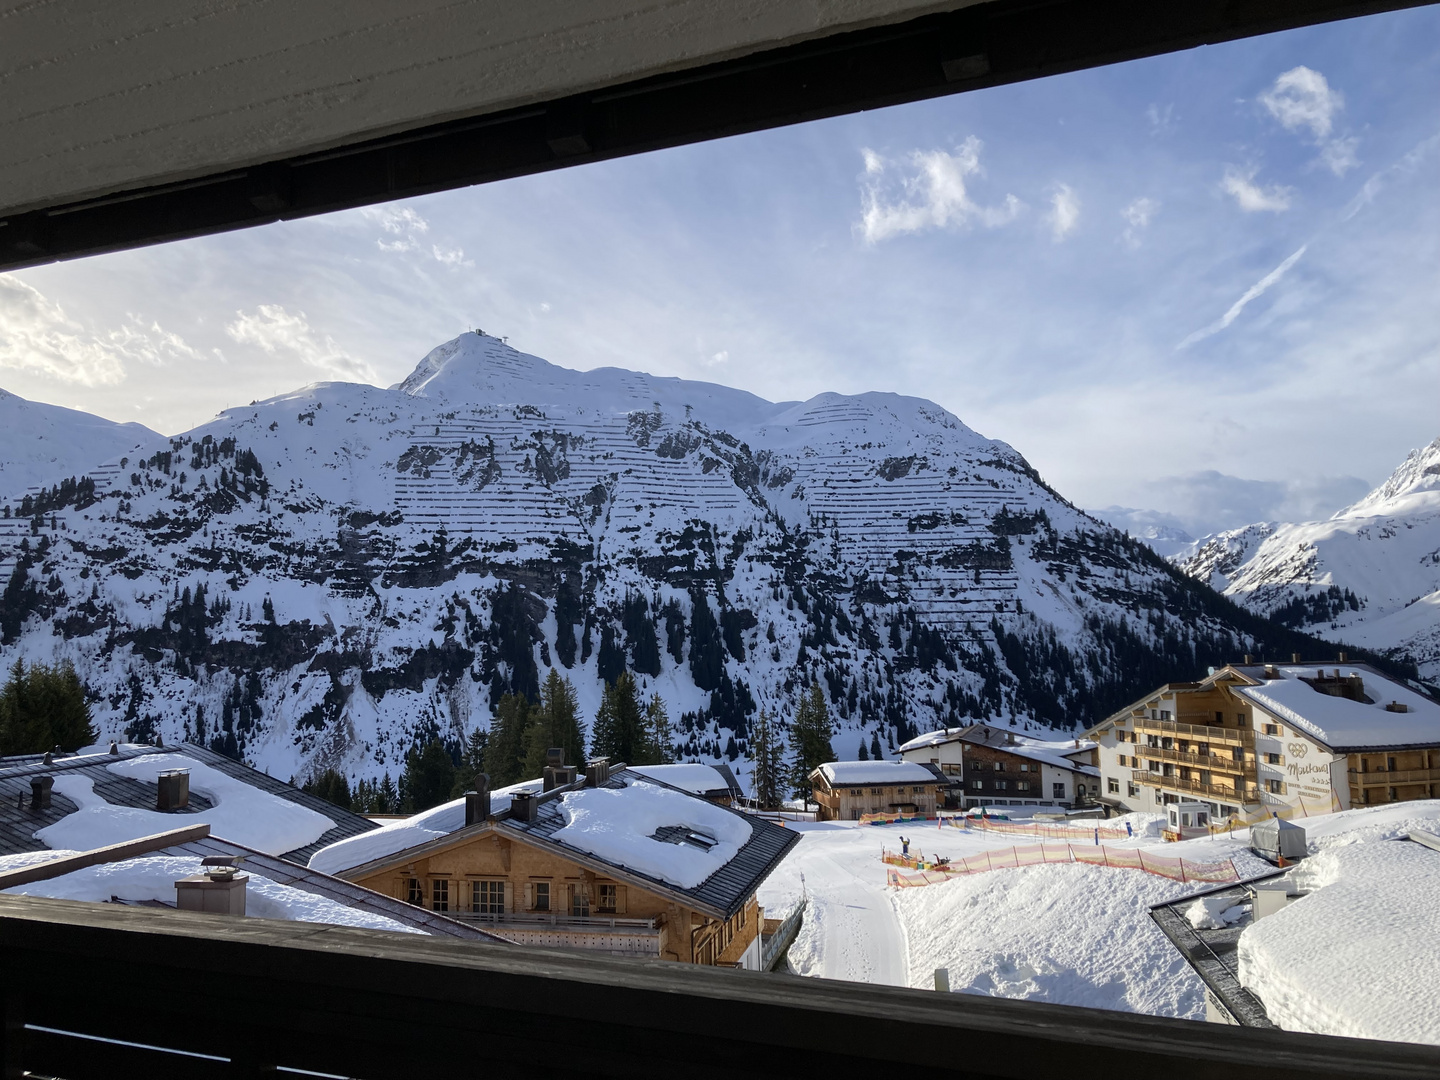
597 772
523 806
477 802
40 792
173 790
557 773
1342 658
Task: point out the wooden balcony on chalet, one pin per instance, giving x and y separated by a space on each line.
599 933
1247 794
1393 778
1207 733
1211 761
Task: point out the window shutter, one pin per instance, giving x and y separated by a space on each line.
509 897
529 897
619 899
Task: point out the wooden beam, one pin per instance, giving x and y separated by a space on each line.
127 849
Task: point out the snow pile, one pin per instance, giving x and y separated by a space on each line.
1368 824
1057 933
618 825
1358 956
1214 912
407 833
240 812
154 877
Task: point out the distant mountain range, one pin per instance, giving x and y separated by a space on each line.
327 577
1369 575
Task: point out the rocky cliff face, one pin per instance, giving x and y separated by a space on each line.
1370 574
324 578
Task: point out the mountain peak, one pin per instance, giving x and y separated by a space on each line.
473 365
1418 475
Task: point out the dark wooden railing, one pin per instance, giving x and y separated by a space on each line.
253 994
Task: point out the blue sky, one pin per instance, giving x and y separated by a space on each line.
1205 283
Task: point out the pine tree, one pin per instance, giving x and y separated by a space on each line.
429 775
619 730
659 746
767 758
43 707
812 740
472 762
388 798
556 723
330 785
864 754
505 756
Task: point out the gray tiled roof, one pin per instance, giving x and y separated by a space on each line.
18 823
726 890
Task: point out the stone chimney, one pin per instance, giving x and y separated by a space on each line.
597 772
523 805
557 773
220 889
40 792
173 790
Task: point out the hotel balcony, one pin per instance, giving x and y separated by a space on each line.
1247 794
1206 733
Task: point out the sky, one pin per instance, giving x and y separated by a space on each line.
1205 284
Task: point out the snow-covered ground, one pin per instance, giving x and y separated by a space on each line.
1068 934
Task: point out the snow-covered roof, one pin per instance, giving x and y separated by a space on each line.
1367 920
1344 724
1043 753
694 777
849 773
99 798
932 738
396 836
636 826
276 889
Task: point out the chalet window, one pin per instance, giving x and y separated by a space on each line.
440 895
1240 719
1059 790
487 897
1272 759
1024 766
607 899
1272 729
1000 785
1132 789
877 791
414 892
540 896
1112 785
977 784
1219 717
999 766
579 902
917 791
1023 785
1273 786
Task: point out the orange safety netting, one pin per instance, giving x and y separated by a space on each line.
890 819
1048 831
1177 869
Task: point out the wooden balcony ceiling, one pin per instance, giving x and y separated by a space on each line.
131 124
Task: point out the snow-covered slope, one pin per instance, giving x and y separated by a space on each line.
1369 575
41 445
1158 530
326 577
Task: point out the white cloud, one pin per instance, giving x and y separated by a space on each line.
1162 121
1302 100
1208 501
1406 166
1239 305
396 220
932 195
451 256
36 335
1249 196
1064 213
276 330
1138 216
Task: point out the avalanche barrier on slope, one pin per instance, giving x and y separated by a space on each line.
1176 869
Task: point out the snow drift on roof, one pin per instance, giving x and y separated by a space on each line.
397 836
1341 723
240 812
877 772
618 826
693 776
1356 956
153 877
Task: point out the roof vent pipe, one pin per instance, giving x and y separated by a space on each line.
1294 658
114 748
40 792
477 802
1249 659
1342 658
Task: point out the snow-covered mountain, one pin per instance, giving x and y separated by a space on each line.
1157 530
326 577
1369 575
45 444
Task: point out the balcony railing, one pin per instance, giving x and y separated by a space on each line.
1212 733
1229 794
106 991
1381 778
1202 761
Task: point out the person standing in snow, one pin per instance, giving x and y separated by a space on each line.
905 846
